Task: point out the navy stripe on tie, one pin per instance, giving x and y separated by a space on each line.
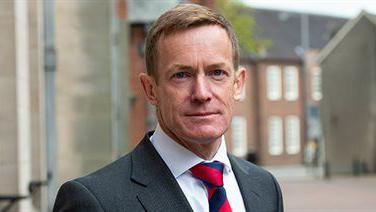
208 183
217 200
215 165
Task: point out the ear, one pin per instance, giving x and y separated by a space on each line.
239 85
149 86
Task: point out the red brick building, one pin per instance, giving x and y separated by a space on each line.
280 112
285 86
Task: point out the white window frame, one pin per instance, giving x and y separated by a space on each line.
275 135
291 82
316 83
292 133
239 136
273 82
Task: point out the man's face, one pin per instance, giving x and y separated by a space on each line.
197 84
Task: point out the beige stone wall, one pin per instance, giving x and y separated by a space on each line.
83 77
83 92
38 150
9 165
8 109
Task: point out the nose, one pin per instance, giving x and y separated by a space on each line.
201 91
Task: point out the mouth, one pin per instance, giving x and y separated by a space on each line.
202 114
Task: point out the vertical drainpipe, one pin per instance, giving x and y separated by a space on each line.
115 91
304 35
23 102
50 120
304 27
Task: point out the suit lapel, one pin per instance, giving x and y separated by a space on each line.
248 184
160 191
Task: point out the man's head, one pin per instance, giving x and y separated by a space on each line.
180 18
193 81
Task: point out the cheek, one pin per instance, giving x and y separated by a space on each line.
169 101
226 96
229 104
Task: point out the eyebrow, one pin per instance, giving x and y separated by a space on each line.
186 67
179 66
217 65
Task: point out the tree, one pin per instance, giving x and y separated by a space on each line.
240 17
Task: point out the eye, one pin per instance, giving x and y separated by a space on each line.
218 74
180 75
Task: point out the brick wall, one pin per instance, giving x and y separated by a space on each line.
282 109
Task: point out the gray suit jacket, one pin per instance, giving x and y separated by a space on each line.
141 181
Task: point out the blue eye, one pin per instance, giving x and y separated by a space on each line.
180 75
218 72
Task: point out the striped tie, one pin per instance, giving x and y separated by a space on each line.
211 174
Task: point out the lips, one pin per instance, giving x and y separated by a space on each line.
202 114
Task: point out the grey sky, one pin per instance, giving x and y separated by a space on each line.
342 8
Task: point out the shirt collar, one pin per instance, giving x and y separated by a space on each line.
178 158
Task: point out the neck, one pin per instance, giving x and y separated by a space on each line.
206 150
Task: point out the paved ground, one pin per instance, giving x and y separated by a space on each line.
346 194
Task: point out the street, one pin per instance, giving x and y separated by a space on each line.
335 194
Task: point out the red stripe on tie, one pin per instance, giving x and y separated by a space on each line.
212 176
208 174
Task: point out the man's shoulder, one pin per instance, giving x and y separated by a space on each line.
118 169
110 188
108 181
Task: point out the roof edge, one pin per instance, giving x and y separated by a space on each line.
340 35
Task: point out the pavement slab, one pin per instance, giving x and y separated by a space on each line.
346 194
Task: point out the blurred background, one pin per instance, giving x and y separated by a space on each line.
71 101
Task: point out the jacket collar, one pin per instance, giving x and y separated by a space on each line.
160 192
248 182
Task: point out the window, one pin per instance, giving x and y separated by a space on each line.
273 83
239 136
292 133
316 84
291 81
275 135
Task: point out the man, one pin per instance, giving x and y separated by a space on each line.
193 79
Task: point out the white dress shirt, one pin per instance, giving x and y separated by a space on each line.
179 160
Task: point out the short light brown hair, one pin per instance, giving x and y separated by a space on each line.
180 18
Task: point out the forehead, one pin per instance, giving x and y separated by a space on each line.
209 43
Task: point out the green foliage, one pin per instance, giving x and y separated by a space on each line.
243 24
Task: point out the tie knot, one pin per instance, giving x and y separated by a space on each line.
210 173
